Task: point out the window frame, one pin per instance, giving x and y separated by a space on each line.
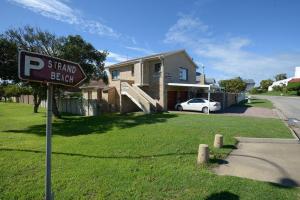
155 67
186 78
117 77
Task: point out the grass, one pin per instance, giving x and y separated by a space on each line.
130 156
278 93
261 103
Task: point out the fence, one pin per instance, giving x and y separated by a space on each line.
69 105
226 99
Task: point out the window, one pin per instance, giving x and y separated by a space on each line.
197 101
132 71
183 74
115 74
157 67
89 94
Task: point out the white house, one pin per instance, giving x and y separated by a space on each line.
285 81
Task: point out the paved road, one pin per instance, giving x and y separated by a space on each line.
290 106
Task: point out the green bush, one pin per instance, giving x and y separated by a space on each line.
280 88
294 86
255 90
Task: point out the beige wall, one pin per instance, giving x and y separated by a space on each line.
172 67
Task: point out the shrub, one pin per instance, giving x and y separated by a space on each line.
294 86
255 90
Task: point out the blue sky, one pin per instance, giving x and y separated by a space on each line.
251 38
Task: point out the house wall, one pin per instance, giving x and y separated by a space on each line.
172 67
154 83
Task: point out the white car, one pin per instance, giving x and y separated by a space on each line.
198 104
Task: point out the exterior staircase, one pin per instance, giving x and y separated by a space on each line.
139 97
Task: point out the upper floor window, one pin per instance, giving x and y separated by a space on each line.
115 74
183 74
157 67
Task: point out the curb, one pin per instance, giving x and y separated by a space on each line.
267 140
285 119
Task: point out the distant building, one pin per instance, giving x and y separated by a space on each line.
285 82
250 83
201 79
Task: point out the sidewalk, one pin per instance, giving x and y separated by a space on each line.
272 160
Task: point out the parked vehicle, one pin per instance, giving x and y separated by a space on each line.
198 104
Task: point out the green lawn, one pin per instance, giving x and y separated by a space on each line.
130 156
278 93
262 103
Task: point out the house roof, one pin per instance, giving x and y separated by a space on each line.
294 80
164 54
94 84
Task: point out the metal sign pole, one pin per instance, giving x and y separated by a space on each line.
48 142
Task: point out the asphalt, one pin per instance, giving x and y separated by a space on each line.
289 108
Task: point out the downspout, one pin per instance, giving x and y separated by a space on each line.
141 72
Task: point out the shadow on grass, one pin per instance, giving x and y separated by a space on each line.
285 183
101 157
78 125
223 196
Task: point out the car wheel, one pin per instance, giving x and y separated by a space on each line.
179 108
205 110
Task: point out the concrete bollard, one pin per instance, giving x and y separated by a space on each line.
218 143
249 99
203 154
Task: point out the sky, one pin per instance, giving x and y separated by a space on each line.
252 39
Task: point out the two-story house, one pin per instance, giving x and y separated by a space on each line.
151 83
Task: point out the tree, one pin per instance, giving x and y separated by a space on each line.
34 40
72 48
264 84
76 49
235 85
8 60
15 90
91 60
279 77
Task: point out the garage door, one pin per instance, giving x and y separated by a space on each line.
172 96
183 96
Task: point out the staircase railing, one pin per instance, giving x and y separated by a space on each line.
136 97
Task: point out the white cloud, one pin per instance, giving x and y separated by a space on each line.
184 28
142 50
230 56
114 58
60 11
